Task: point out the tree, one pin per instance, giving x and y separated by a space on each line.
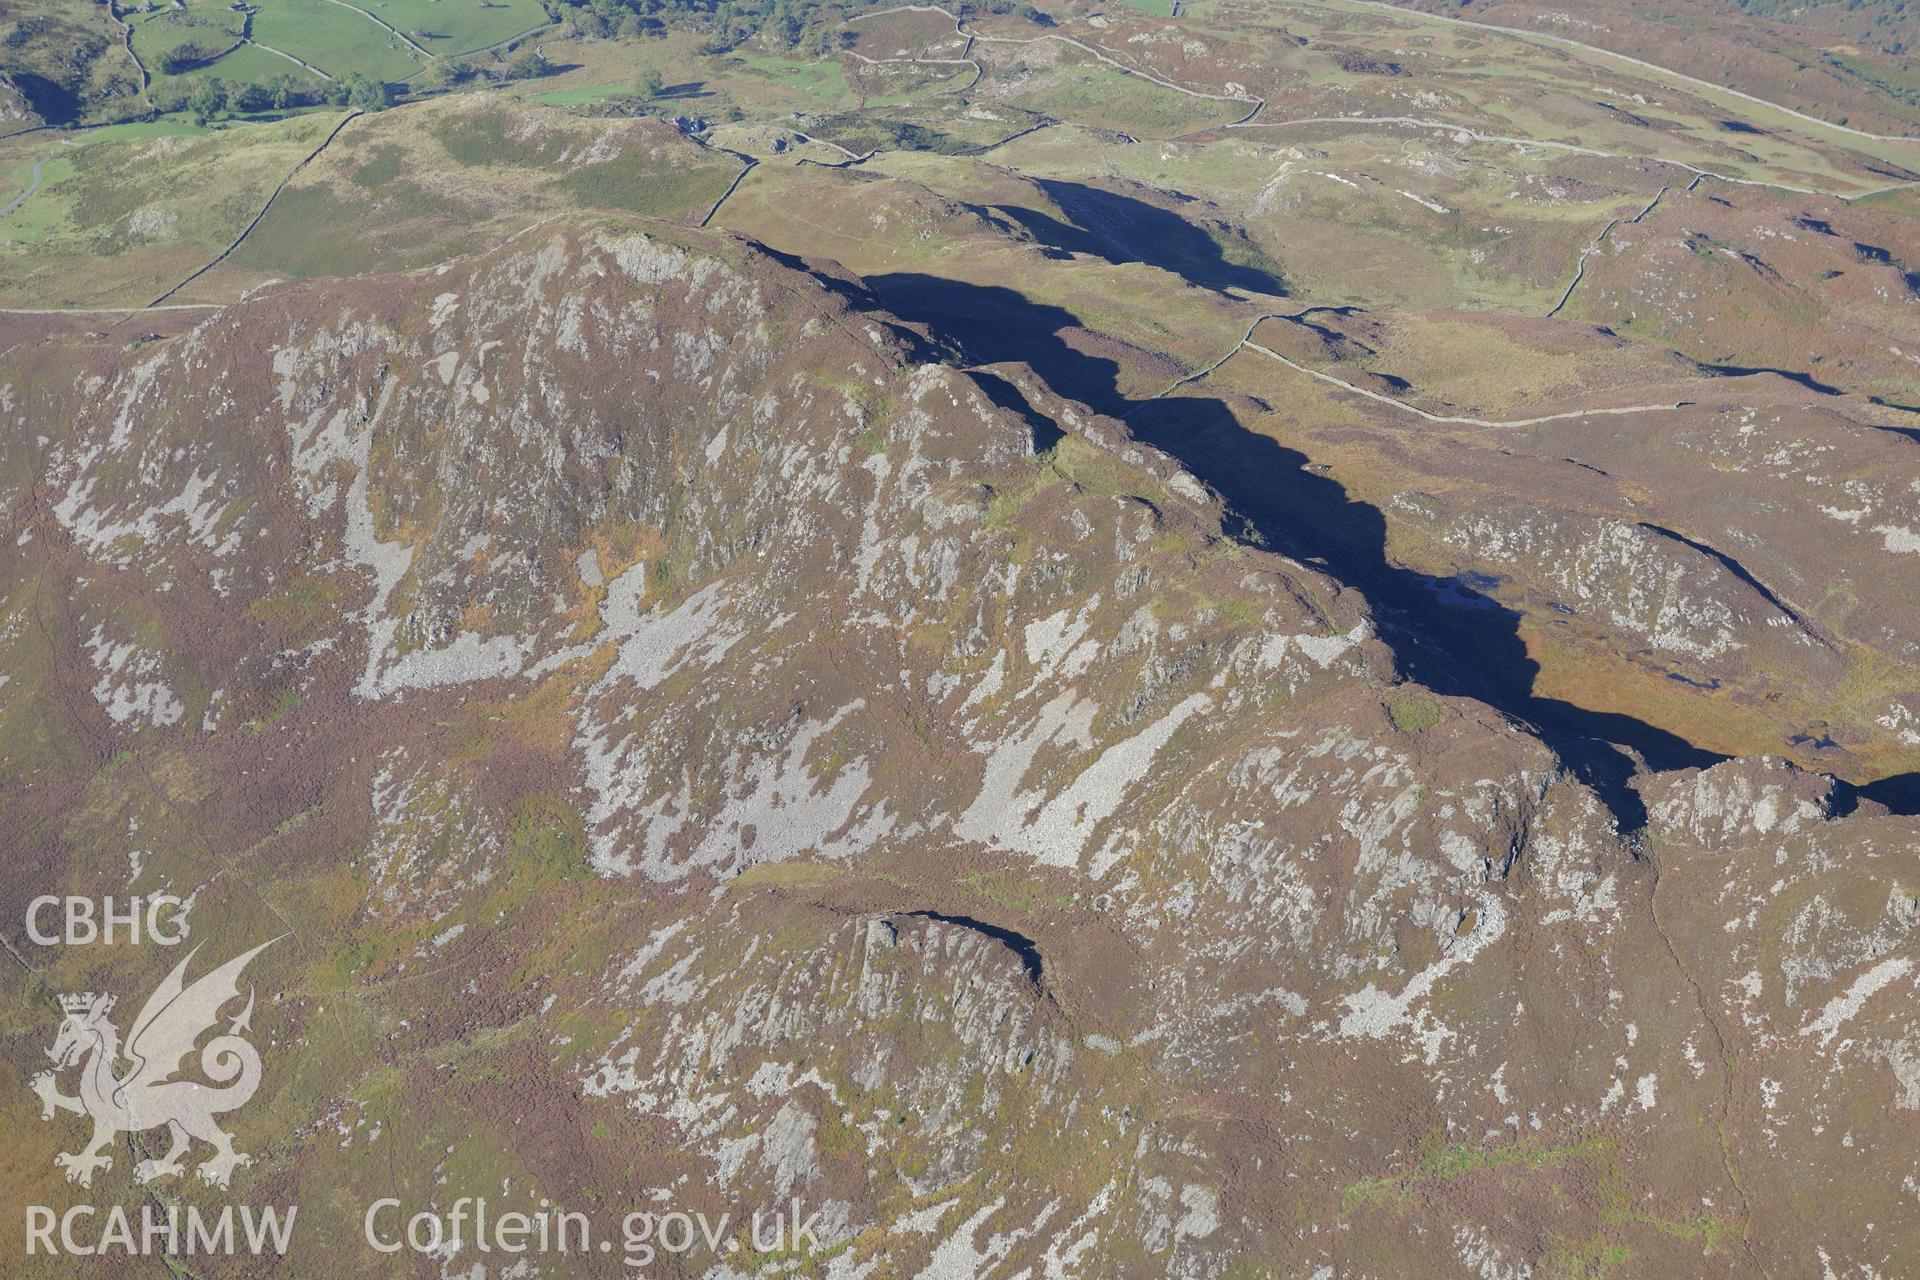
824 43
185 56
207 100
442 74
365 93
650 85
529 66
252 97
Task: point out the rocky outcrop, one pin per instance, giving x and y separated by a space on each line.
705 744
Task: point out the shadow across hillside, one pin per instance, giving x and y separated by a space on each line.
990 324
1123 229
54 103
1899 793
1023 947
1459 642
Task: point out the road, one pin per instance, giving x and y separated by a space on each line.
32 187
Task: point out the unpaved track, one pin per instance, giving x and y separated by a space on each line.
852 157
510 40
1247 343
1249 121
32 187
1462 420
1233 350
282 53
960 28
1258 104
978 70
1469 133
1567 42
387 26
486 48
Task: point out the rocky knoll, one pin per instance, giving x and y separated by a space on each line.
700 740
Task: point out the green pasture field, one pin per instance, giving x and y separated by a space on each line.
803 84
1087 91
249 64
579 95
331 37
124 213
157 33
449 28
335 39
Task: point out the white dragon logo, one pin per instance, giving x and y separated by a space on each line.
147 1096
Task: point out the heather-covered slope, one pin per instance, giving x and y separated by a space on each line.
695 740
1850 61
